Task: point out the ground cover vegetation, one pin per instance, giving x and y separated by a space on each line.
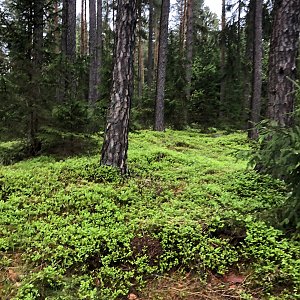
73 230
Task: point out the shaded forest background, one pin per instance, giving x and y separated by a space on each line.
56 66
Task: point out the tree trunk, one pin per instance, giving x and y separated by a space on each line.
56 27
83 38
114 150
282 63
99 43
248 61
67 85
37 59
183 25
161 69
140 53
93 68
71 31
257 71
157 13
223 57
189 57
150 46
64 28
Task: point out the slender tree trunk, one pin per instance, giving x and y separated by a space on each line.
83 38
140 52
257 71
189 57
37 60
183 25
114 150
282 63
64 28
223 57
99 43
156 35
162 64
150 46
247 67
82 27
56 27
93 68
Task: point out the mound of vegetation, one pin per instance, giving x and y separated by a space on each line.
72 229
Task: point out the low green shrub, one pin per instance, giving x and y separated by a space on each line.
85 232
278 153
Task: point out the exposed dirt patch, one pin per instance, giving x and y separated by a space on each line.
147 245
11 272
189 286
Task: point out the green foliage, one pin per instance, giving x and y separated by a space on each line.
11 152
278 153
85 232
71 116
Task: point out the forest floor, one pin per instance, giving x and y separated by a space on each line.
189 221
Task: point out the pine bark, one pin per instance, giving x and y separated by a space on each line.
282 61
71 31
64 28
93 67
157 13
183 24
37 60
223 57
161 69
248 61
114 150
189 57
67 85
257 71
56 27
99 45
140 53
150 45
83 38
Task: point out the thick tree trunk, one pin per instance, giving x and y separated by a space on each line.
114 150
71 31
282 63
189 57
93 68
67 85
162 64
257 71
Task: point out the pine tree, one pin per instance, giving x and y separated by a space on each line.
257 71
93 67
114 150
282 61
189 56
161 69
